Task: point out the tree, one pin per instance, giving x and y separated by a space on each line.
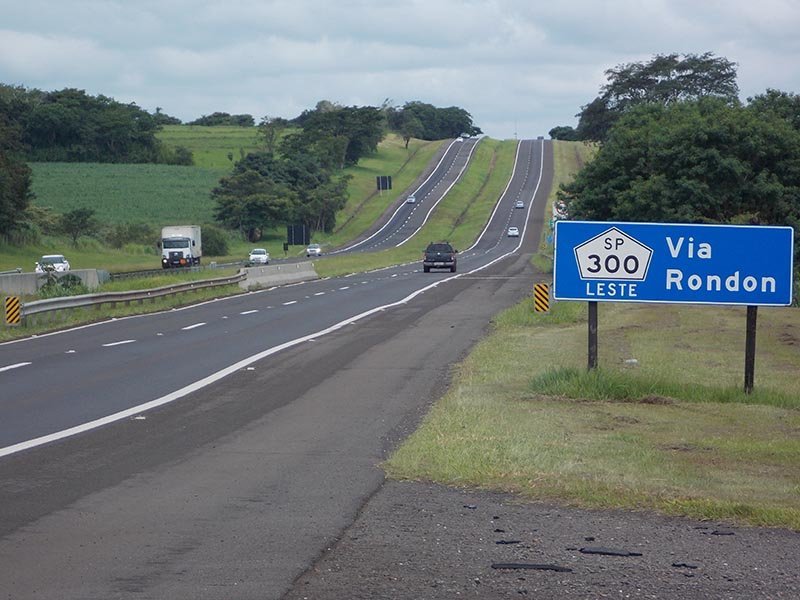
15 174
664 80
78 222
411 127
565 133
436 123
702 161
251 202
782 104
270 129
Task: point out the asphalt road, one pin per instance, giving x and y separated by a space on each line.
273 411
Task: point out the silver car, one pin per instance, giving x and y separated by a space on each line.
513 232
52 262
258 256
314 250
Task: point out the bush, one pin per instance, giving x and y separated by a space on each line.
129 233
215 241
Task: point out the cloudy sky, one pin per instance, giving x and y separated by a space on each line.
520 67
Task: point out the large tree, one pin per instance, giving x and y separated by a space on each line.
700 161
250 202
663 80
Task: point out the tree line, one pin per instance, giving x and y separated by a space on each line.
295 177
70 125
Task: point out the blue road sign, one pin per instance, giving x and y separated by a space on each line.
673 263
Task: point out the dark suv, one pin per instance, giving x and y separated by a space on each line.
439 255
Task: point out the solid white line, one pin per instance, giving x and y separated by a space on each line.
118 343
249 312
289 303
26 445
399 208
189 327
435 204
16 366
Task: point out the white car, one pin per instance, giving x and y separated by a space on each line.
314 250
412 199
513 232
54 262
459 139
519 204
258 256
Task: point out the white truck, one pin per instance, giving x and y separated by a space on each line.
181 246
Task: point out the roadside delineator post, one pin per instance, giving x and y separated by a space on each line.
541 297
12 310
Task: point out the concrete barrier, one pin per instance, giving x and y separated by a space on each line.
270 275
22 284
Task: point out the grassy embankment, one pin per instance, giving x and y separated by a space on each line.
673 432
459 218
161 194
141 193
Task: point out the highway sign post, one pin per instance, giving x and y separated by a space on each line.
674 263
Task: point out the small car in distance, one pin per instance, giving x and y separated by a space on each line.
52 262
412 199
519 204
258 256
459 139
314 250
513 232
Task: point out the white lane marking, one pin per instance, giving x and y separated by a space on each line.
46 439
189 327
69 352
290 302
347 287
242 364
399 208
249 312
15 366
320 294
120 343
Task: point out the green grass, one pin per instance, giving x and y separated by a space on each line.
568 158
216 148
365 204
672 434
459 218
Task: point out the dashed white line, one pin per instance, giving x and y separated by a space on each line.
249 312
347 287
189 327
15 366
120 343
291 302
320 294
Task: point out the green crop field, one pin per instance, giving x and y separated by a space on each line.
122 193
212 147
160 195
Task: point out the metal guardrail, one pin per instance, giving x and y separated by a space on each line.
156 272
12 271
70 302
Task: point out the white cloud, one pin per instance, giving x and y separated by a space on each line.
526 61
